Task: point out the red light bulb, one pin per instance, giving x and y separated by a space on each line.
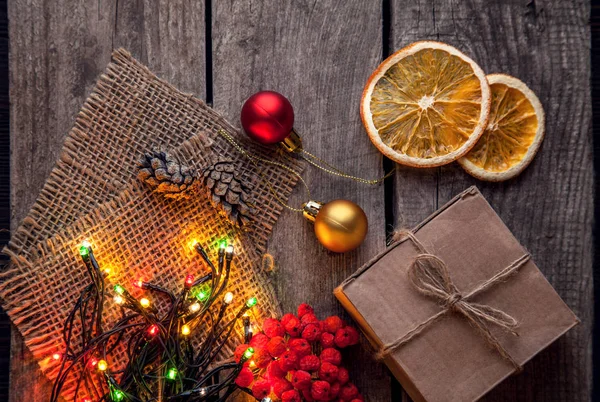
139 284
56 356
189 280
267 117
93 362
153 329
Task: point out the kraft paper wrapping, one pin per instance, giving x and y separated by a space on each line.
450 360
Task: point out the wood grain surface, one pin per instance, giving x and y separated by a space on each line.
319 54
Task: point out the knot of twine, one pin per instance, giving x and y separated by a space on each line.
430 276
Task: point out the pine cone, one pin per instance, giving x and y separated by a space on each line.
167 175
228 193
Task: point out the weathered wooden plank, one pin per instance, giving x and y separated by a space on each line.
319 56
57 52
549 207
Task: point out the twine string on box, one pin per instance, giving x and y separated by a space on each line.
429 275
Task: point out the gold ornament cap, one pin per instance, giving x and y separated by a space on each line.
292 143
311 209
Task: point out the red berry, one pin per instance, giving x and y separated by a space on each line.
343 337
310 363
261 388
261 358
288 360
272 328
259 341
327 340
281 385
332 324
328 372
306 394
276 346
309 318
343 376
348 392
312 332
331 355
300 346
244 378
334 390
304 309
353 335
286 318
320 390
291 396
274 370
301 379
292 327
239 352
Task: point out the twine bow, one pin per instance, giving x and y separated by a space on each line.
430 276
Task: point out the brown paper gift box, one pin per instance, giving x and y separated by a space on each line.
450 360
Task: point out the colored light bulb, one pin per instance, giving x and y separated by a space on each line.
84 251
145 303
185 330
202 295
102 365
139 284
118 299
118 395
56 356
189 280
93 362
194 307
248 353
223 244
172 373
153 329
228 298
251 302
119 289
229 250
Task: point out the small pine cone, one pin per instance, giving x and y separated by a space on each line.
163 172
228 193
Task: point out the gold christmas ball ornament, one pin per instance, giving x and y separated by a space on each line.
340 225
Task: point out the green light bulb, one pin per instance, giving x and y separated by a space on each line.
202 295
223 244
248 353
172 373
84 251
118 395
119 289
251 302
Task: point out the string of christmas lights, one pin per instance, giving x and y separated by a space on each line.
162 364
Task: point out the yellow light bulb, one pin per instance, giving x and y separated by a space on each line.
145 303
185 330
102 365
228 298
195 307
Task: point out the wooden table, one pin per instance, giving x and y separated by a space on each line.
319 54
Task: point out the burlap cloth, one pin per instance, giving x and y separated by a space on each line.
92 194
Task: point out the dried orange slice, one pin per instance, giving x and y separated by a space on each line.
514 133
426 105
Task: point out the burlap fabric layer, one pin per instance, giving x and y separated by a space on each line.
92 194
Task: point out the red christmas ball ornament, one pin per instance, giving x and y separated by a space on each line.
268 117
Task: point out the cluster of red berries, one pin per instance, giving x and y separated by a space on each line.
298 359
